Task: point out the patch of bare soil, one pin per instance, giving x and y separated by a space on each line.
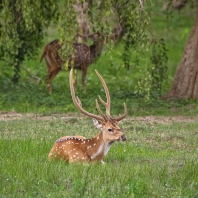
165 119
148 119
16 116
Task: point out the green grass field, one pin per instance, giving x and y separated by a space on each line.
159 158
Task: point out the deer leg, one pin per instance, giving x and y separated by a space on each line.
50 77
84 73
49 87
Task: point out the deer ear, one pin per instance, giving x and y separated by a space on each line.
97 124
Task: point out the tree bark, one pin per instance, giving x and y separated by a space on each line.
185 84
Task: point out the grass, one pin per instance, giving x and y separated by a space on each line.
159 159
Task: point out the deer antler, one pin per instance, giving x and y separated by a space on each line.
102 117
108 103
77 101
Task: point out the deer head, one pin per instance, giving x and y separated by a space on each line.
80 149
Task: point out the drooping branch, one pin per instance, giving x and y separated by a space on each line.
31 75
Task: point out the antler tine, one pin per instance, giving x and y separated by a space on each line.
99 110
77 101
108 103
123 115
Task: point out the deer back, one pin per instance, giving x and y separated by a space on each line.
80 57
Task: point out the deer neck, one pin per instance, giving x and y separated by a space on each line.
96 50
97 148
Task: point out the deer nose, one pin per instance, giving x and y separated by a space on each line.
123 137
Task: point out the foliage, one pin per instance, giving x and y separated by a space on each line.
159 62
22 29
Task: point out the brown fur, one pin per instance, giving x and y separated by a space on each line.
82 57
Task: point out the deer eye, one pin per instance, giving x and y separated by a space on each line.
110 130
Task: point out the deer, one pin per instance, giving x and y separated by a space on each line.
82 57
81 149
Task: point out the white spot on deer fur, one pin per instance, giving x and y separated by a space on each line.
76 153
94 144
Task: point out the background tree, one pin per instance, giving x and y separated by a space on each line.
22 28
185 84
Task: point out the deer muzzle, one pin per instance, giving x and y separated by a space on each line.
122 138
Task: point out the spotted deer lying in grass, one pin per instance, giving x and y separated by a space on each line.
80 149
82 57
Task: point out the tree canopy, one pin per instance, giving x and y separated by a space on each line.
23 25
22 29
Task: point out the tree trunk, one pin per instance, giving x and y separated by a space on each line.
185 84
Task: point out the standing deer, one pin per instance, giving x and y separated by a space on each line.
82 57
80 149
